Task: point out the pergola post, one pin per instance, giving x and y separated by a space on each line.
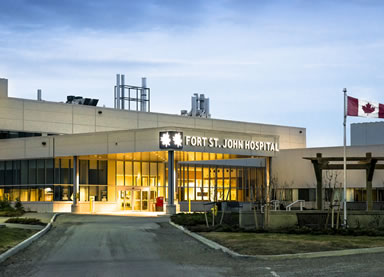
319 180
371 163
367 163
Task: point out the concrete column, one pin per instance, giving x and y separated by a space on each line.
75 207
171 207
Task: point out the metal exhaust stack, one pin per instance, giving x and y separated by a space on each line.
39 95
117 91
143 97
122 91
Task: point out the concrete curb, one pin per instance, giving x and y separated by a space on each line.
334 253
28 241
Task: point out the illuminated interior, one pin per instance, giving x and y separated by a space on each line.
134 181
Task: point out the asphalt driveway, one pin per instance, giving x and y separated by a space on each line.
96 245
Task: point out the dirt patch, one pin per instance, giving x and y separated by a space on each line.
275 244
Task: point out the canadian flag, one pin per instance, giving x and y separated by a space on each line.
358 107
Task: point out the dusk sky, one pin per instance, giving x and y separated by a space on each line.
275 62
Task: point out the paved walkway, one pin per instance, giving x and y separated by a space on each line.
96 245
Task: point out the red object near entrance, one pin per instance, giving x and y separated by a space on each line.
160 201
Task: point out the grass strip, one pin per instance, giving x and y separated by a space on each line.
276 244
10 237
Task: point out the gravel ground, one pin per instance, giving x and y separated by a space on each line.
86 245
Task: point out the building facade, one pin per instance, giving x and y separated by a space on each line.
71 157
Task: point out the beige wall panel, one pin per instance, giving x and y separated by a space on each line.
12 149
148 139
47 116
253 128
39 126
36 149
299 139
78 129
228 126
147 120
81 144
148 124
84 115
51 112
121 147
10 103
121 136
106 129
11 124
203 123
147 116
9 112
117 119
275 130
175 120
47 106
121 142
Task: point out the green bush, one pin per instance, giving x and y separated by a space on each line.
21 220
18 205
8 211
5 205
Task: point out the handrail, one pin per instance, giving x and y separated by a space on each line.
276 204
302 202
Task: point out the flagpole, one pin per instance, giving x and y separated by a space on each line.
345 157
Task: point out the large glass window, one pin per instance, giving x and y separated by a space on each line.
32 172
145 173
153 174
102 170
199 183
128 173
40 172
65 171
49 171
137 175
92 172
57 171
83 172
2 173
24 172
120 173
218 183
206 183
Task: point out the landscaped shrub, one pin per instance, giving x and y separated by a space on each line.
21 220
7 210
5 205
18 205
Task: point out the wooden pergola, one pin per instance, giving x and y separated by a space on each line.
367 163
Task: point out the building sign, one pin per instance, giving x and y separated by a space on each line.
228 143
171 140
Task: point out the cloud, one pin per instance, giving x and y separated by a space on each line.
277 62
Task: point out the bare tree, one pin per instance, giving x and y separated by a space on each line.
333 185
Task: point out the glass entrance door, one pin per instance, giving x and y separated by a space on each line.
134 200
125 200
